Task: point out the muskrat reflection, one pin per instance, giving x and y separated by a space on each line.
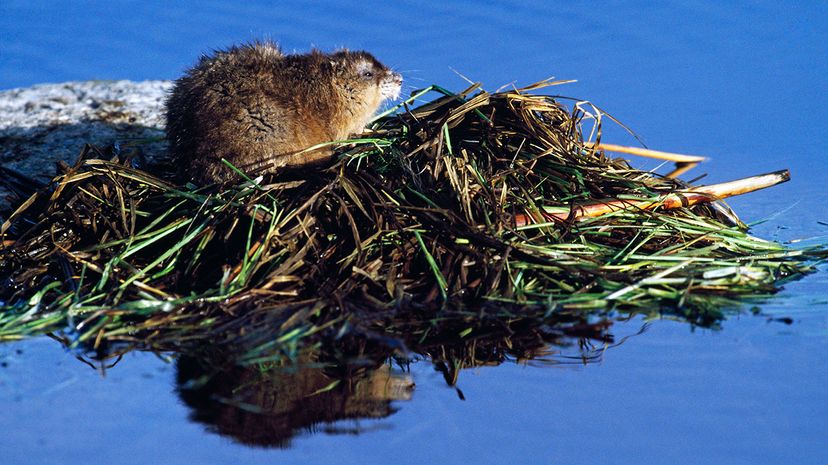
267 407
268 404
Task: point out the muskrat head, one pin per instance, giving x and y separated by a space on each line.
368 77
376 74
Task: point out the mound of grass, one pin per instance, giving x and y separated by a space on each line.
474 212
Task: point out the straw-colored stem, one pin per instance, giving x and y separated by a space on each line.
641 152
696 195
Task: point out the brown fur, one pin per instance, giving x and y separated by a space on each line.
258 108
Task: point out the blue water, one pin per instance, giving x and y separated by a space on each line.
743 83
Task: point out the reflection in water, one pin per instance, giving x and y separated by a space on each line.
266 406
268 403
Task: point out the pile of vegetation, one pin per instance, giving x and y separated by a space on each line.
472 214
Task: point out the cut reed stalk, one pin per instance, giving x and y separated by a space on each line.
649 153
673 200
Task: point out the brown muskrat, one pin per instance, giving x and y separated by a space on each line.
259 109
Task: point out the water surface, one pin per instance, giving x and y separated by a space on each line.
743 83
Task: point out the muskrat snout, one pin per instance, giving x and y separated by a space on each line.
391 85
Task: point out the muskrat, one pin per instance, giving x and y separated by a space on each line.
259 109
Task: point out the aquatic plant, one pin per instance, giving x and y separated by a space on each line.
474 213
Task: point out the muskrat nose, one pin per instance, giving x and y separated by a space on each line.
391 85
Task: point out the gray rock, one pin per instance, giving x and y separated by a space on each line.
45 123
42 124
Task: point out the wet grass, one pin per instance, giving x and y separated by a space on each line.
457 218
